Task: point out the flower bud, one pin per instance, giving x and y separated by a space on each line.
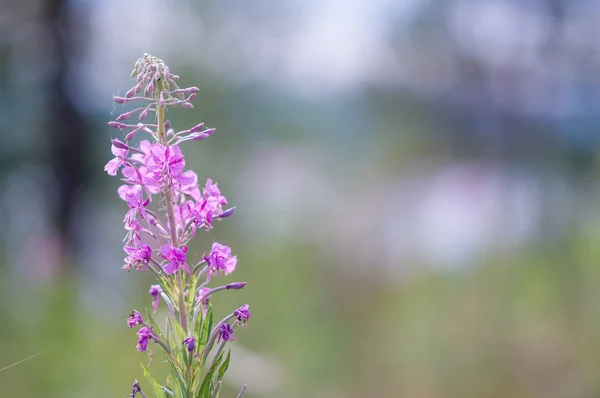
235 285
197 128
117 125
119 144
130 93
124 116
187 105
227 213
120 100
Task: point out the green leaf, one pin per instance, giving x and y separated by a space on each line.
207 384
204 332
192 290
176 388
224 367
156 387
177 375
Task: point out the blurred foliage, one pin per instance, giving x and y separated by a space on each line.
522 324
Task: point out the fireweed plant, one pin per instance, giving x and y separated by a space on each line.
167 208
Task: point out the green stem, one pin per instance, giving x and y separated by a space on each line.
161 136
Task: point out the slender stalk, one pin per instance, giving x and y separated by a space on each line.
242 391
160 115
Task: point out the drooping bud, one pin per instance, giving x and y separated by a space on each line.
117 125
235 285
119 144
130 92
197 128
227 213
202 135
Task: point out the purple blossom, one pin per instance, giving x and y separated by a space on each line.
168 160
134 319
183 213
220 258
155 291
136 178
133 228
225 332
137 257
144 334
203 214
135 388
137 204
113 165
188 185
210 206
212 195
190 344
242 314
176 259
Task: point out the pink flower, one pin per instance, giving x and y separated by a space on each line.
176 258
168 160
220 259
137 204
134 319
225 332
243 314
137 257
144 334
187 184
137 178
155 291
113 165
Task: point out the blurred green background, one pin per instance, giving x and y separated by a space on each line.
416 184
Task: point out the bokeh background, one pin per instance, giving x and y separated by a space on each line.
416 182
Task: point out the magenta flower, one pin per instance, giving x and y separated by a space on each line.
225 332
137 204
212 191
113 165
203 214
190 344
242 314
144 334
138 178
168 160
134 319
137 257
188 185
155 291
183 212
176 259
220 258
133 228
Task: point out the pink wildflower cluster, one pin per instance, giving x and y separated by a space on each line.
167 207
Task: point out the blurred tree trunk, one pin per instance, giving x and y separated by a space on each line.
65 125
